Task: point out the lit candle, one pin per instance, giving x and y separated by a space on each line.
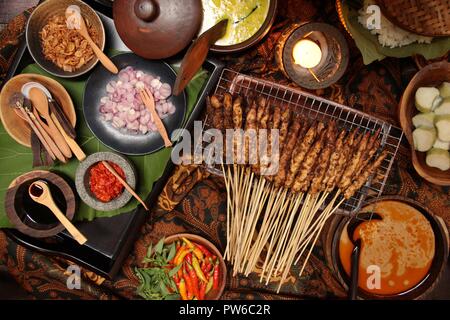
307 53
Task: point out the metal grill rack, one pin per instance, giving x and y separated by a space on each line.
324 110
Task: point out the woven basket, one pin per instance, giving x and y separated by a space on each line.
424 17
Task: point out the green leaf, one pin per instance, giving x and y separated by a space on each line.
149 251
163 288
159 246
16 159
173 296
172 252
174 270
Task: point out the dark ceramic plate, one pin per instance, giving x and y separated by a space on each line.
113 138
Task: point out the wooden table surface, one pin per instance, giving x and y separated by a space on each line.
10 8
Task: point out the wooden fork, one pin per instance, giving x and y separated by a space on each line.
149 102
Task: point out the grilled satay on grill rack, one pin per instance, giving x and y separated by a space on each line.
320 165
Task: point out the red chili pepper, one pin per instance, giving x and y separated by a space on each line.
188 258
183 254
182 289
188 281
204 250
197 252
209 285
178 252
176 279
204 266
202 291
209 264
216 275
177 245
194 281
180 272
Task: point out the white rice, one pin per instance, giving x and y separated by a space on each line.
389 35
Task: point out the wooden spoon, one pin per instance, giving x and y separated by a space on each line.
196 55
124 183
40 103
40 193
106 62
21 113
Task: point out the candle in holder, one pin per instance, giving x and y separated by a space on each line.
313 55
307 53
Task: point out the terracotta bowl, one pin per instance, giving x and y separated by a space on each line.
18 128
424 287
431 75
38 20
213 294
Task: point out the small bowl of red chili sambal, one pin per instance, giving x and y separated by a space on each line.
98 187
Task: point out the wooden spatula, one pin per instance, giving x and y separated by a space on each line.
196 55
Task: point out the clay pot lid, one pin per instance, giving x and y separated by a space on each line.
157 29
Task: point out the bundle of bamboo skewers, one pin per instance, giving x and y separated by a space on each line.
275 216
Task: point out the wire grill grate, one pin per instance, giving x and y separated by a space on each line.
324 110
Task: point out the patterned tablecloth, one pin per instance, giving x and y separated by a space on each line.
194 201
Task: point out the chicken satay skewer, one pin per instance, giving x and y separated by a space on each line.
263 191
259 197
319 175
315 177
279 180
348 193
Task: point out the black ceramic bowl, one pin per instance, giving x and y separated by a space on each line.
32 218
132 144
419 291
37 21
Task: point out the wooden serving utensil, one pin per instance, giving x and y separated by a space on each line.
149 102
351 228
40 103
124 183
40 193
34 115
196 55
20 111
106 62
73 145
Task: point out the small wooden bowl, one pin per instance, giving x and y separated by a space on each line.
38 20
18 128
431 75
34 219
213 294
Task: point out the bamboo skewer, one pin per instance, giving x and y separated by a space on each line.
274 221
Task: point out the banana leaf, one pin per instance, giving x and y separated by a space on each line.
16 159
372 50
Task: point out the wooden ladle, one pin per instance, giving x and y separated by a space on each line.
40 193
106 62
40 103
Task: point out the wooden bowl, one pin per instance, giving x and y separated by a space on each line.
18 128
431 75
34 219
213 294
38 20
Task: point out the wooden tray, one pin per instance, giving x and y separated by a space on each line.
110 239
